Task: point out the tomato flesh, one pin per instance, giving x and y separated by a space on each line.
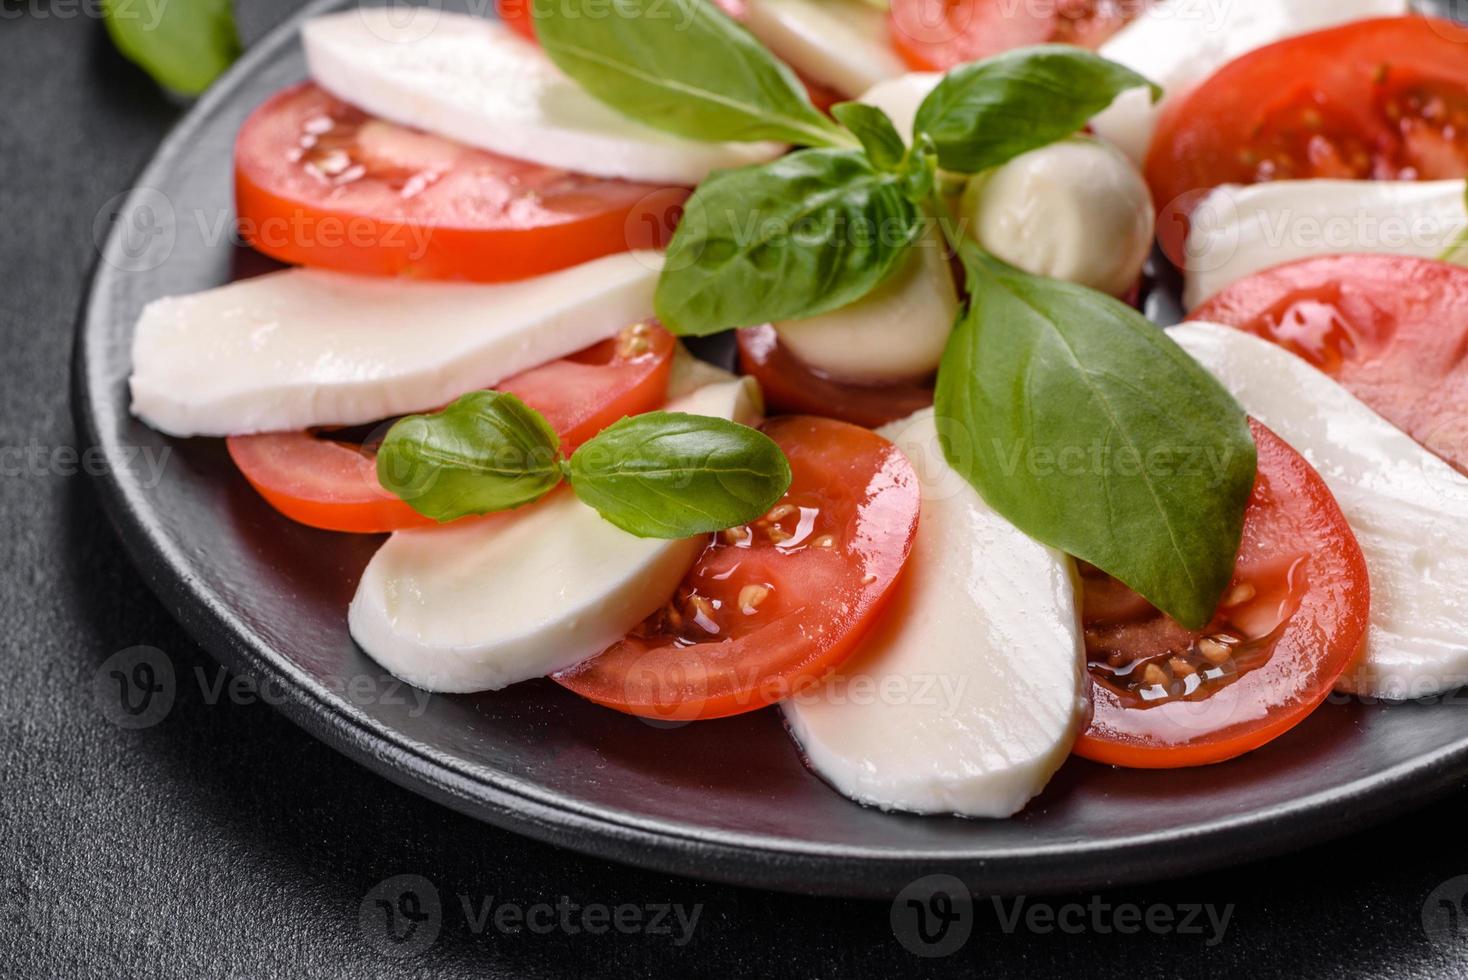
1391 329
774 605
320 183
936 35
1293 617
790 385
331 484
1375 99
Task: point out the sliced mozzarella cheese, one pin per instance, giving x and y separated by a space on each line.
1075 210
900 97
1178 43
485 602
969 691
473 80
1408 508
896 332
1236 231
304 347
839 43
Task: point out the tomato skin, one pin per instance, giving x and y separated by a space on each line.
790 386
333 485
820 595
1333 103
1392 329
454 212
936 35
1294 535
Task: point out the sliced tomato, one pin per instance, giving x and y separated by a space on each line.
517 16
790 385
317 480
320 183
936 35
1383 99
1290 622
1392 329
772 606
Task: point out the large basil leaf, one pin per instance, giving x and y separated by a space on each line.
801 235
673 475
984 113
1089 430
486 452
183 44
680 66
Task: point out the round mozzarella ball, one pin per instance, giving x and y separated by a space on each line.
895 333
1076 210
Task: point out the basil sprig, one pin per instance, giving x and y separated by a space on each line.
988 112
801 235
659 475
681 66
183 44
1092 431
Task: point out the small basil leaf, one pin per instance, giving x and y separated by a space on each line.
673 475
488 451
878 136
1090 430
1457 250
680 66
919 169
183 44
987 112
807 233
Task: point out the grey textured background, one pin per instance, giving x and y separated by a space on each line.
224 842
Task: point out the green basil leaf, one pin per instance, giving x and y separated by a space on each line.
1091 431
987 112
486 452
681 66
884 145
673 475
183 44
1457 250
807 233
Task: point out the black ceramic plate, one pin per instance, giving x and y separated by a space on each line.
728 799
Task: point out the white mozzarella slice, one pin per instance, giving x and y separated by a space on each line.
1236 231
896 332
473 80
969 691
1408 508
304 347
1075 210
839 43
485 602
900 97
1178 43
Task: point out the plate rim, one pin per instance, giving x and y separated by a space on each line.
724 856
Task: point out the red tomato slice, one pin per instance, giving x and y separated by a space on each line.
1392 329
1385 98
936 35
517 16
320 183
773 606
333 485
1289 624
790 386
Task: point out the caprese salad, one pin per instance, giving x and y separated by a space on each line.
963 511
